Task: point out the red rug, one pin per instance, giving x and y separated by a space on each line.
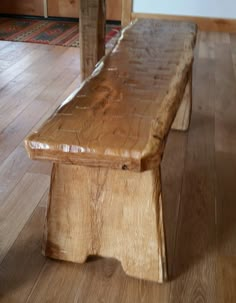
46 31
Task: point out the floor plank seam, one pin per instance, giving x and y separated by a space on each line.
1 261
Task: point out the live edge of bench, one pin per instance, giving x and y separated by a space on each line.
122 114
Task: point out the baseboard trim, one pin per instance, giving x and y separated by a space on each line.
204 24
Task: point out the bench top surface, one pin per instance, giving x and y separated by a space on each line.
121 115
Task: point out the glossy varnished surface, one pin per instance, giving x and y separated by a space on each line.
121 116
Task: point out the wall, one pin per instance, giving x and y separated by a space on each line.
203 8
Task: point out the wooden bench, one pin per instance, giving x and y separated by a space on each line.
107 142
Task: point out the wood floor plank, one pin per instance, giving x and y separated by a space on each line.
44 200
205 49
10 110
17 49
143 291
61 99
12 171
58 281
172 177
44 65
233 50
233 42
225 146
20 57
226 279
4 64
13 87
209 41
4 43
100 280
12 134
19 120
53 59
56 88
107 281
40 167
195 242
18 207
21 267
32 78
17 67
225 101
225 198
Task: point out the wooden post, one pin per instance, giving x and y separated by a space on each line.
92 34
126 12
105 195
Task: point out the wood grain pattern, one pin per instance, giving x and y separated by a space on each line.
120 118
92 35
109 213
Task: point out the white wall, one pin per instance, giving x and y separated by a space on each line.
204 8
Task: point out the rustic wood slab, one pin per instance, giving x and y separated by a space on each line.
121 115
119 118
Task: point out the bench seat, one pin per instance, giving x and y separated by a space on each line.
121 115
106 142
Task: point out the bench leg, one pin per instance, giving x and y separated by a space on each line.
182 119
111 213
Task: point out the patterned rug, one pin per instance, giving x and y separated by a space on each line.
47 31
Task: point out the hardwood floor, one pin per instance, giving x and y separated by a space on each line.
199 173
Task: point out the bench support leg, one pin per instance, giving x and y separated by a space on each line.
111 213
182 119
